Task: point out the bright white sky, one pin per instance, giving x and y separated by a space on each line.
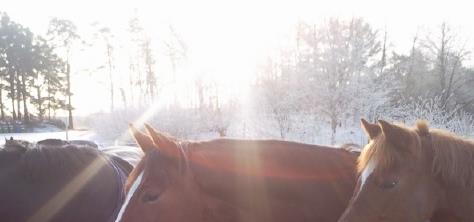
227 39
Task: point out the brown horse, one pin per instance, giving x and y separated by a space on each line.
237 180
413 175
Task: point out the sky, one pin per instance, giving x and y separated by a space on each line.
228 39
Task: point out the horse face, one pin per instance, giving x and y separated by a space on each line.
403 193
160 188
161 192
395 183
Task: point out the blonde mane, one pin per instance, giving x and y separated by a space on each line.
453 158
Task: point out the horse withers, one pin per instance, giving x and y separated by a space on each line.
413 175
237 180
55 181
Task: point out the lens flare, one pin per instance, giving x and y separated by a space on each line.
62 198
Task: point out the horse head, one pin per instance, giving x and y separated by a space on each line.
395 182
161 187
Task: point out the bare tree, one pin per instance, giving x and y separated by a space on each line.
448 53
176 52
63 34
105 34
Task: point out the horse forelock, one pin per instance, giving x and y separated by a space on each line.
377 152
386 155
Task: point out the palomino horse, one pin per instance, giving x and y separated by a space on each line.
54 181
413 175
237 181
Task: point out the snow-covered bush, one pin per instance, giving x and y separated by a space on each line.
431 109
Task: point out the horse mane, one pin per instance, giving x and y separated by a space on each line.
386 154
453 158
452 155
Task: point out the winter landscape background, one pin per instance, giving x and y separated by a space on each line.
309 81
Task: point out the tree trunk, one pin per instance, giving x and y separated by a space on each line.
124 97
69 107
222 131
26 115
383 60
1 103
442 56
130 82
18 98
333 130
40 104
11 81
49 100
409 82
109 61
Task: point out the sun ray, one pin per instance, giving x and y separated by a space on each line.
62 198
141 120
252 165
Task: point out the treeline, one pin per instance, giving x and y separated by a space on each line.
317 87
35 70
341 70
34 78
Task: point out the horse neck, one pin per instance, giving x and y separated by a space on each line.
224 169
256 158
453 166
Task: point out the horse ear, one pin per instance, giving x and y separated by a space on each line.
164 143
372 130
144 141
395 134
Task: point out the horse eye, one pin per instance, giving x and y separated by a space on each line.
388 184
150 197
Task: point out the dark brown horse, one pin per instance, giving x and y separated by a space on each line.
237 180
55 181
413 175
